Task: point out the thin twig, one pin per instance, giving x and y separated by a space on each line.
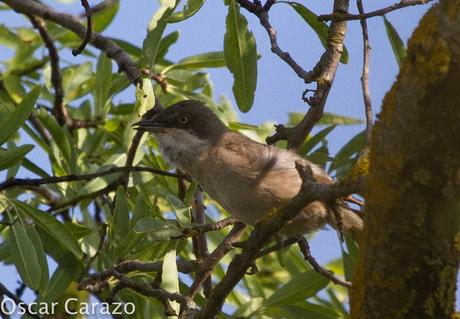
89 28
199 242
101 6
70 22
12 182
59 110
285 243
137 139
214 258
305 250
164 296
376 13
128 266
323 73
5 292
204 228
365 74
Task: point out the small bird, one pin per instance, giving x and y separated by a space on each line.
245 177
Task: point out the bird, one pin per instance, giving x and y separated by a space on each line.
247 178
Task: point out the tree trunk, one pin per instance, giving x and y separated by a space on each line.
411 242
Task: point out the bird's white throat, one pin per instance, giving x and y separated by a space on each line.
181 148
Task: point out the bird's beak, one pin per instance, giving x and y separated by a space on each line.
148 126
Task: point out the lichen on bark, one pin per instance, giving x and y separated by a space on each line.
410 251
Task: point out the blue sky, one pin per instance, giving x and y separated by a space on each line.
278 88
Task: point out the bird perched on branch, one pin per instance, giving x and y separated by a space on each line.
246 178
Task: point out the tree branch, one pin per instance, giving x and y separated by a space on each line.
89 28
206 268
72 23
323 73
376 13
60 112
71 178
305 250
5 292
365 74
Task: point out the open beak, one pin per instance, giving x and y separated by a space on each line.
148 126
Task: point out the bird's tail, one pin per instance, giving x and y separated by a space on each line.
351 222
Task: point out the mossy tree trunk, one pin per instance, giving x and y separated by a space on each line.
411 244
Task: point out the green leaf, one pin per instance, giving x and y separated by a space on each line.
8 38
14 87
199 61
34 168
103 18
308 310
166 43
326 119
61 137
14 155
62 277
121 213
321 29
397 44
354 146
155 31
41 256
52 227
170 277
128 47
24 256
11 124
240 57
299 288
102 85
334 119
190 8
157 229
315 140
76 81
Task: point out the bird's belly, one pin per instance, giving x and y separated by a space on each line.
239 199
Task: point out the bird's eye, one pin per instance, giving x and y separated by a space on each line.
183 120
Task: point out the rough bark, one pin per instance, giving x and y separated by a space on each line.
411 243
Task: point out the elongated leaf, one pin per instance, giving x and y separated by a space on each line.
41 257
170 277
155 31
397 44
102 85
165 43
199 61
24 256
190 8
8 38
52 227
103 18
11 124
128 47
76 81
326 119
354 146
315 140
121 213
240 57
14 155
61 136
300 287
60 280
157 229
308 310
321 29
